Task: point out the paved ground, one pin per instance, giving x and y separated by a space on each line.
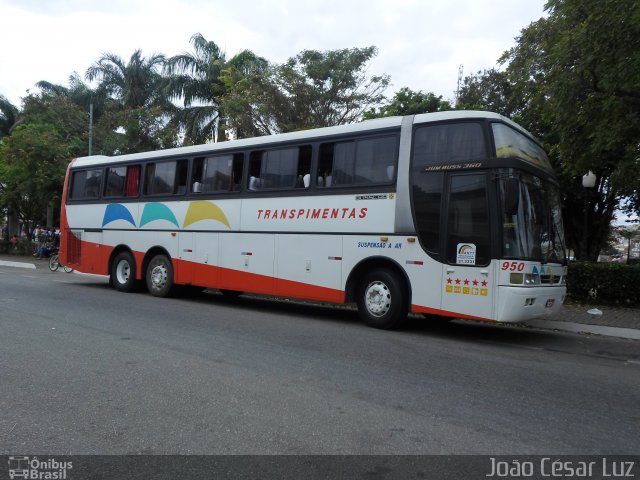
574 317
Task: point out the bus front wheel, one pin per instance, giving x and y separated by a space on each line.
160 276
382 299
123 272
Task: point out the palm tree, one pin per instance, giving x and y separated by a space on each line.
77 91
142 107
8 116
195 78
134 84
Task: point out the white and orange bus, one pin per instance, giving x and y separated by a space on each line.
454 214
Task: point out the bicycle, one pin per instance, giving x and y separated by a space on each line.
54 264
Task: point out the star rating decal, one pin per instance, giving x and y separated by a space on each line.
467 286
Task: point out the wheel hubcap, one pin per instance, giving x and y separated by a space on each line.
377 299
123 271
159 276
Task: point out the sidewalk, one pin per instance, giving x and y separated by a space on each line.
614 321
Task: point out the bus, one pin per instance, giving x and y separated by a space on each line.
449 214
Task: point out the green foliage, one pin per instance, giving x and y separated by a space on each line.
573 80
313 89
129 130
408 102
135 84
197 78
33 161
8 116
606 283
488 90
138 104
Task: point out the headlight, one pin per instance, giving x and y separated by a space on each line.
524 279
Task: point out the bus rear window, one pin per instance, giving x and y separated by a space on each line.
85 184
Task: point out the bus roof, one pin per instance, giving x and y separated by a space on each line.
367 125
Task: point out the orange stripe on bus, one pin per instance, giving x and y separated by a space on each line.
446 313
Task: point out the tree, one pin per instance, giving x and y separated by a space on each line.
313 89
139 104
77 91
134 84
34 158
577 74
488 90
408 102
8 116
195 77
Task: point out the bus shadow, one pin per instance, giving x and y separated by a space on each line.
416 325
468 330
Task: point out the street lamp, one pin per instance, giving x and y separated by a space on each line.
588 181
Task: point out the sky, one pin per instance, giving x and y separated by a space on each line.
421 43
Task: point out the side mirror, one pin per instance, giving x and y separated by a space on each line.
511 196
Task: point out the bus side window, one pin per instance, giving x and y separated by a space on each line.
375 160
336 163
85 184
216 174
180 188
160 178
427 203
368 161
115 183
122 181
197 175
279 169
304 167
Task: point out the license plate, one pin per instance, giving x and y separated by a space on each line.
550 303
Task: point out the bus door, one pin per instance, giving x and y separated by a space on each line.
467 278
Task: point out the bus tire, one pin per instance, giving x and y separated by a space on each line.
160 276
382 299
123 272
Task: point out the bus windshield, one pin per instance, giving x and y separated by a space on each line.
532 226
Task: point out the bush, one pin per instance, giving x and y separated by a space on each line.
607 283
4 245
24 246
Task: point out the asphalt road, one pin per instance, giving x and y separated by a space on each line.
87 370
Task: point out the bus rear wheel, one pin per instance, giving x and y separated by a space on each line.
382 300
160 276
123 272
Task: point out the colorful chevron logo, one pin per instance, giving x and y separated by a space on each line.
197 211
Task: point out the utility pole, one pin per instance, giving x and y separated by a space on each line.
90 126
460 75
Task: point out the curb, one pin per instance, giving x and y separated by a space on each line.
4 263
628 333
